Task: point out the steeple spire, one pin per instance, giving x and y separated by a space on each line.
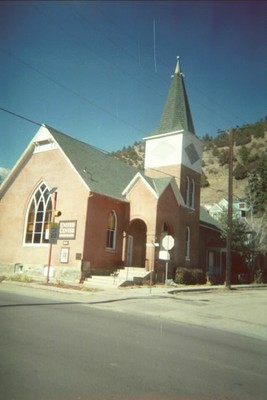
176 115
177 69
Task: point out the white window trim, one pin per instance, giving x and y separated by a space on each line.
32 244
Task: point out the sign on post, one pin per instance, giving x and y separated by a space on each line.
167 243
53 232
164 255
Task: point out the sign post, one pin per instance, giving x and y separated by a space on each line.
53 232
53 237
167 243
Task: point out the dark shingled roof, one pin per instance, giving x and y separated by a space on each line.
206 219
176 114
101 172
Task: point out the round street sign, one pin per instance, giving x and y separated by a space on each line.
168 242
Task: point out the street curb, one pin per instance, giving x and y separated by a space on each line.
118 291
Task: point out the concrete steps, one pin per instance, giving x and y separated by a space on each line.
121 277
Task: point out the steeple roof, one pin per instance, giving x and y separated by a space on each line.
176 114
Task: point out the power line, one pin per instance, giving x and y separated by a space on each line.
92 26
214 101
104 151
20 116
46 76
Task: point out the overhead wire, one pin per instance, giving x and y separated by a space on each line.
20 116
190 84
83 97
83 18
107 152
46 76
73 92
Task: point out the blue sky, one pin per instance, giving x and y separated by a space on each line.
100 71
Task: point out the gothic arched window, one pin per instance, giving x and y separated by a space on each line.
39 216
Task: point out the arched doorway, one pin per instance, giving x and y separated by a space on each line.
136 243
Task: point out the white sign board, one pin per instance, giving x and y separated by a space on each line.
164 255
168 242
67 230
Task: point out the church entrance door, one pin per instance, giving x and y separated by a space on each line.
136 246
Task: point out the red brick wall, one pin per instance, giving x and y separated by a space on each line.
95 251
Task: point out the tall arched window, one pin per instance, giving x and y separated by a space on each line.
111 230
187 192
190 192
187 250
39 216
192 200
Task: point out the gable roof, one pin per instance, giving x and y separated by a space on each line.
156 185
102 173
176 115
205 219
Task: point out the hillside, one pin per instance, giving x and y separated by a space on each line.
250 145
249 152
215 165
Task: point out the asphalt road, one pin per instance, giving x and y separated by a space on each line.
55 347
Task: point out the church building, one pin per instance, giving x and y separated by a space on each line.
103 213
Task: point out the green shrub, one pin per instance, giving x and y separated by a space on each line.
189 276
244 154
243 138
198 276
20 278
240 172
222 140
204 180
216 279
223 157
260 276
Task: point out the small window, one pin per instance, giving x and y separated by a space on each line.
187 253
39 216
111 230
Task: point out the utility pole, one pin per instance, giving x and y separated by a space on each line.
230 214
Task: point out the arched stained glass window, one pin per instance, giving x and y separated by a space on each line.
39 216
111 230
